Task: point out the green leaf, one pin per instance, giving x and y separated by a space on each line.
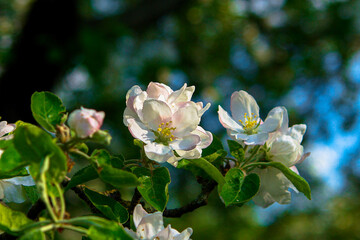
110 231
194 169
101 137
101 157
236 150
214 146
35 234
15 173
118 161
138 143
154 186
47 109
239 189
210 169
217 157
82 147
299 182
112 175
34 144
117 177
31 193
11 162
85 174
12 221
108 206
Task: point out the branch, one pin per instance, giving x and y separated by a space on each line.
34 211
200 201
134 201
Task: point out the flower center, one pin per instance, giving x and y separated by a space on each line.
250 124
164 133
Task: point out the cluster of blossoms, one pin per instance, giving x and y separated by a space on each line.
279 144
167 122
151 227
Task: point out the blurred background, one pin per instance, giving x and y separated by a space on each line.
301 54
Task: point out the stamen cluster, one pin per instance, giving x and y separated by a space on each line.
164 133
251 123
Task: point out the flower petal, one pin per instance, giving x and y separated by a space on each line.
138 104
139 213
173 160
205 136
274 187
158 152
202 109
150 225
131 95
6 128
273 120
165 234
155 112
227 121
237 136
241 103
155 90
286 150
13 193
257 139
297 132
303 157
129 114
184 94
186 143
285 122
131 233
25 181
192 154
185 119
184 235
139 131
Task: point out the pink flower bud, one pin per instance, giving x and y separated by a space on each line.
85 122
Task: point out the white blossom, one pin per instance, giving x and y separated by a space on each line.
167 122
244 125
284 146
150 226
6 128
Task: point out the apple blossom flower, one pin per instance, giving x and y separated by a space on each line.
245 125
151 227
6 128
167 122
283 146
85 122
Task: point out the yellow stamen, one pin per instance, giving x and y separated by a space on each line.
251 122
164 132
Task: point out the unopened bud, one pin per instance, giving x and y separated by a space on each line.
85 122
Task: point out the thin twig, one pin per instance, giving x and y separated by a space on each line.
200 201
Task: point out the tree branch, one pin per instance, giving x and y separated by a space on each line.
134 201
200 201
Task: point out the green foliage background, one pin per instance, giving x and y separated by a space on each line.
291 53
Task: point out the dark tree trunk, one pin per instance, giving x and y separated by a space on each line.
48 47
